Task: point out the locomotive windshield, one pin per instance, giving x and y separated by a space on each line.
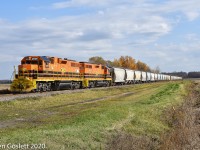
32 60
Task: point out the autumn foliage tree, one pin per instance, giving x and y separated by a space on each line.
129 62
116 63
124 62
97 59
142 66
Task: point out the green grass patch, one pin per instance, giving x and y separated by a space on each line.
66 122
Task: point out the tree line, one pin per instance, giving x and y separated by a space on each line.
5 81
130 63
125 62
194 74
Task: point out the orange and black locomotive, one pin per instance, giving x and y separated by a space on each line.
43 73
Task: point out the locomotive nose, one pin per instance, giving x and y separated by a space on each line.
28 67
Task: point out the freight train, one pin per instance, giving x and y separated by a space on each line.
44 73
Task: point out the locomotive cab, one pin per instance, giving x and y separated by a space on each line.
29 66
32 66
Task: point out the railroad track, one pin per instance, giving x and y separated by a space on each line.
10 97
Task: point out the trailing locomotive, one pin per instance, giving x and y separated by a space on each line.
43 73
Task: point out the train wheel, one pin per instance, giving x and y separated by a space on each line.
77 85
91 85
72 86
44 87
108 84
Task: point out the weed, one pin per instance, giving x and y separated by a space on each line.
182 120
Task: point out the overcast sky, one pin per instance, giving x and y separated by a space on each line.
162 33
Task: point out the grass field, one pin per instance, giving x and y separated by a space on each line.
90 119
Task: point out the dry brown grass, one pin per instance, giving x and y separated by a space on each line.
124 141
4 88
184 121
